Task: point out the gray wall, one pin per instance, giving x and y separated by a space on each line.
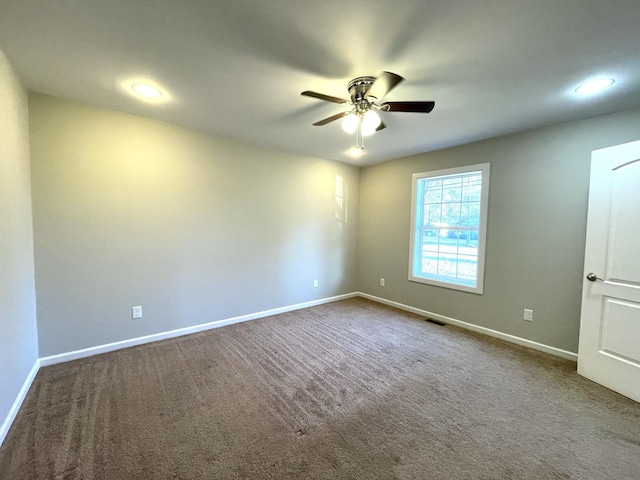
536 228
130 211
18 339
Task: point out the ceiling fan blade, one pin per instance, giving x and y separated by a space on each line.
417 107
322 96
382 125
330 119
383 85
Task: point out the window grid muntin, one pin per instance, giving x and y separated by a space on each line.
444 192
469 191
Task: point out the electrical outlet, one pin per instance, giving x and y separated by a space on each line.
528 315
136 312
315 283
382 282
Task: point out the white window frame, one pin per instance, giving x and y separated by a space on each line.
416 224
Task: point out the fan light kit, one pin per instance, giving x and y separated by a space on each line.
366 93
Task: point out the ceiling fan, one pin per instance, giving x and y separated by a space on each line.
366 94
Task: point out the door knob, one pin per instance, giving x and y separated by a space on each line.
592 277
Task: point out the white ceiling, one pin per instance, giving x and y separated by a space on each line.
236 68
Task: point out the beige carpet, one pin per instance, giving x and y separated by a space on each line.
349 390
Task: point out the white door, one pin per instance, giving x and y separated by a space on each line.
609 350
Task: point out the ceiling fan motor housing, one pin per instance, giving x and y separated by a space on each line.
366 92
358 87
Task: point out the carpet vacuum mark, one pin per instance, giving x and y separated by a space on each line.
346 390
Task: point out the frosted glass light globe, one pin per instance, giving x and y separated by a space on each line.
350 123
370 122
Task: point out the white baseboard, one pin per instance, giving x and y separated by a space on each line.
87 352
13 411
476 328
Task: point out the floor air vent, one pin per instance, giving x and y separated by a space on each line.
435 322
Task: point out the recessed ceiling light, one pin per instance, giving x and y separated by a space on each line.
146 90
355 152
594 86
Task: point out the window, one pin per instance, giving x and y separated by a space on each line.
448 227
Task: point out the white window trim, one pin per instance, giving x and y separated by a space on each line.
482 229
